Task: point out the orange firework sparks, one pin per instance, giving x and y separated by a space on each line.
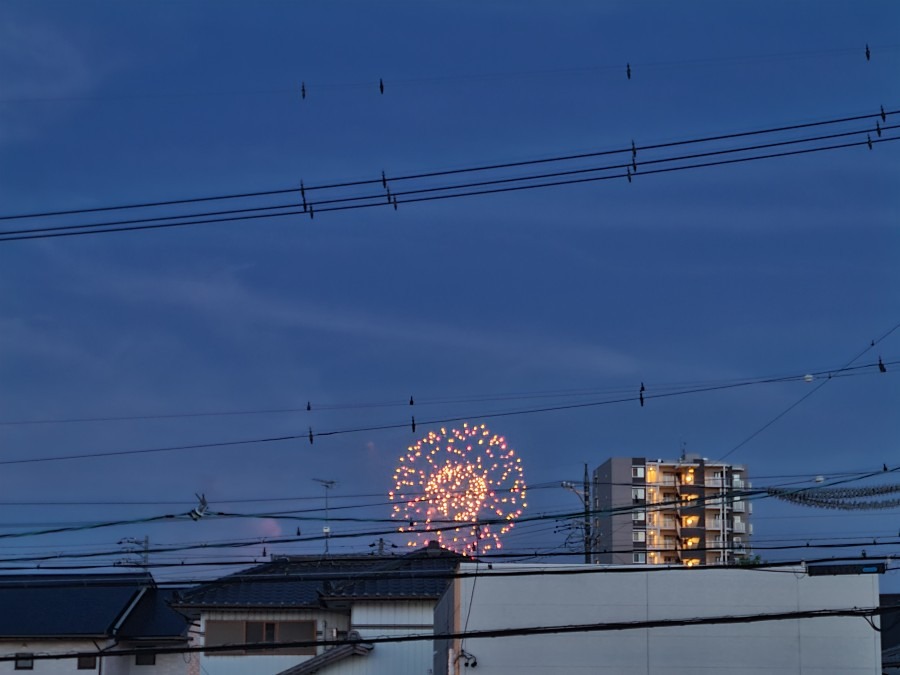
463 489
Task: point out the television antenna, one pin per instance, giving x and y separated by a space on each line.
326 529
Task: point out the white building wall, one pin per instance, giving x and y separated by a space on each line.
378 619
166 664
369 618
264 664
832 646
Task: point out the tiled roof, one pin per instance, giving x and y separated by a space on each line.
421 574
311 581
54 605
153 618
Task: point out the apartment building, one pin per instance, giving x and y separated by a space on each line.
688 511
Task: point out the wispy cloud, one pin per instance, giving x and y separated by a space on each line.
223 298
37 63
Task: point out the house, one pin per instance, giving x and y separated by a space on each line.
52 623
598 620
309 599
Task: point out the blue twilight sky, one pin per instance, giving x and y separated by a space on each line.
690 278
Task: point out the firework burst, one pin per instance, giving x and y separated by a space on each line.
463 489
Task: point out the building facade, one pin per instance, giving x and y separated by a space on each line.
655 621
63 623
308 607
688 511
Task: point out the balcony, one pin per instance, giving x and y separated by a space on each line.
739 507
740 528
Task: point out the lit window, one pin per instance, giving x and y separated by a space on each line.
637 472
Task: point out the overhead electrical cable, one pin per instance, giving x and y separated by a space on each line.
409 195
399 402
437 525
484 633
309 86
374 202
450 172
796 403
311 435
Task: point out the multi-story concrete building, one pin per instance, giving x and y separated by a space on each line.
688 511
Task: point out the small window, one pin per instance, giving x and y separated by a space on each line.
637 472
639 535
24 662
639 558
145 659
638 516
87 663
637 494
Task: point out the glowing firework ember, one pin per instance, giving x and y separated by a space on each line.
463 489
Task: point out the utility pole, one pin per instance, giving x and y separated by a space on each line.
587 516
144 551
585 496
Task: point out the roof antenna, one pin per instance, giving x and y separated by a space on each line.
326 529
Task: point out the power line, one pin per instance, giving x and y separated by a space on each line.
400 402
807 394
323 571
311 435
439 525
487 633
471 193
630 151
804 543
309 87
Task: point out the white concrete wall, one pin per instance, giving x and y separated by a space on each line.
832 646
378 619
